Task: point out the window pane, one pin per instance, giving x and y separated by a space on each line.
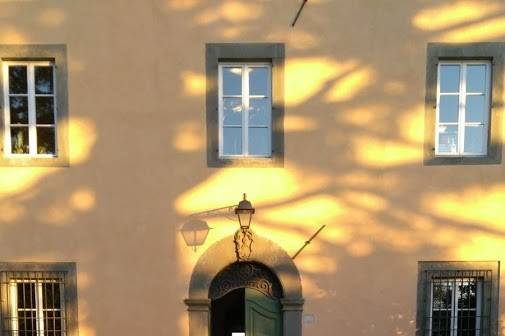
441 323
474 139
476 109
45 140
449 108
467 294
232 140
442 294
258 81
26 295
466 323
448 139
18 79
232 111
449 78
476 78
18 109
259 112
51 295
43 79
45 110
232 81
19 140
259 141
52 323
27 323
441 307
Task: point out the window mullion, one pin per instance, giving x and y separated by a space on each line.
269 91
220 108
487 96
454 309
478 309
32 130
7 116
55 110
462 110
437 112
40 309
245 110
430 319
13 291
62 309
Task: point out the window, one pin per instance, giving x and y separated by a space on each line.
38 302
245 104
456 305
463 98
245 109
463 115
457 298
30 115
34 100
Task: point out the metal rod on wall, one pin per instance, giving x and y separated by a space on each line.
308 242
299 12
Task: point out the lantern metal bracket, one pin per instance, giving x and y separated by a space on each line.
226 210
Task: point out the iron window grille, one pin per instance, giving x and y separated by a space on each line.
33 303
456 303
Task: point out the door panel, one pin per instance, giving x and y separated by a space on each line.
262 314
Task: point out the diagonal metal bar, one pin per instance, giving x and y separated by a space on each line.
299 12
308 242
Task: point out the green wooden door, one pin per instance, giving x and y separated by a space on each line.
262 314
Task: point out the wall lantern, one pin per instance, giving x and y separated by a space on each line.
195 232
244 212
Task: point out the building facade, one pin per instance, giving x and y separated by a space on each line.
124 123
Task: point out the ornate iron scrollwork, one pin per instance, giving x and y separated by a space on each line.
245 274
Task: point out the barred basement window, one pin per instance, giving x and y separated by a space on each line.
456 302
456 306
33 303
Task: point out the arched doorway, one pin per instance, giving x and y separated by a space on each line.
219 257
245 300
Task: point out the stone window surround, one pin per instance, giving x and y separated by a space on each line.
490 51
70 270
244 52
56 53
441 266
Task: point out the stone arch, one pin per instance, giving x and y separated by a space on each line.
221 255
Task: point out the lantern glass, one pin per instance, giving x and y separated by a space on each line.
244 218
244 212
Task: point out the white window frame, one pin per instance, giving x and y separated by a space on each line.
454 305
39 309
245 107
462 109
32 121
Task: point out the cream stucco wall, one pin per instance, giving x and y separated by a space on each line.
354 133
